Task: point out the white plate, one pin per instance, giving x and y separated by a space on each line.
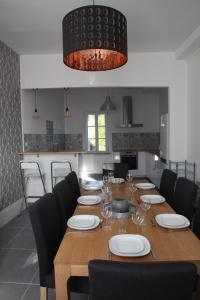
89 200
172 221
145 186
153 199
129 245
117 180
92 185
83 222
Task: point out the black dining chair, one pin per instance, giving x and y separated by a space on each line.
120 170
73 181
65 199
142 281
196 223
184 197
167 184
45 220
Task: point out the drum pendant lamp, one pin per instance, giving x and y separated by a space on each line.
94 38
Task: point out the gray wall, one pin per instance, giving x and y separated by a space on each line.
10 126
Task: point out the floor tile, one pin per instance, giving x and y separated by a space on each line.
24 240
33 293
7 234
17 265
36 279
12 291
21 220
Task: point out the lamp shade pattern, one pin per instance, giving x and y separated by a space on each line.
94 38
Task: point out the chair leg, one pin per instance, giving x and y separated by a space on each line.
43 293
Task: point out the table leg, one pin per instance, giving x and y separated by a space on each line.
62 274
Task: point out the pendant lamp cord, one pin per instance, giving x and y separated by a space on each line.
35 97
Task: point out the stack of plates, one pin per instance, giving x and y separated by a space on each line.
153 199
93 185
83 222
145 186
172 221
89 200
129 245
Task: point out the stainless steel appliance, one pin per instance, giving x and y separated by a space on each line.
131 158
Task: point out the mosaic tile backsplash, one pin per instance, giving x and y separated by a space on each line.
135 141
52 142
10 126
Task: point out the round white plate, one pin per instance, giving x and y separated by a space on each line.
129 245
89 200
117 180
153 199
83 222
172 221
145 186
92 185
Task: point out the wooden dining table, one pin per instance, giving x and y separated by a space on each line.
79 247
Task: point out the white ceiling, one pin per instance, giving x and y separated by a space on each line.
35 26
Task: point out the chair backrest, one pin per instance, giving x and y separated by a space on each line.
167 184
72 179
142 281
196 223
120 170
45 220
184 197
64 196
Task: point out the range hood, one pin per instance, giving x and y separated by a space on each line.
127 113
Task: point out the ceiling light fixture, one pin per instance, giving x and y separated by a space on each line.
107 105
94 38
67 113
36 114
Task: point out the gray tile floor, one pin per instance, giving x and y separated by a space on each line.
19 279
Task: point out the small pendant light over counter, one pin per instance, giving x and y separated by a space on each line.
94 38
36 114
107 105
67 113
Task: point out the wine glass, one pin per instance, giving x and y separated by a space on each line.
138 217
132 190
110 176
106 192
106 212
129 177
105 179
145 205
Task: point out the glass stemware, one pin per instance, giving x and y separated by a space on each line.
105 179
132 190
138 217
106 212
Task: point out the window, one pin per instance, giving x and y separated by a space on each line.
96 132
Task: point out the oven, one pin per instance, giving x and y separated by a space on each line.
130 158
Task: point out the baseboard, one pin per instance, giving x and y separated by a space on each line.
10 212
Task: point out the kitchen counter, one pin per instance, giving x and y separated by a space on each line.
38 153
152 151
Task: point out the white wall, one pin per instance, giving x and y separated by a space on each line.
193 111
142 69
50 107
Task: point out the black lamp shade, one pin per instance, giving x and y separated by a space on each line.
94 38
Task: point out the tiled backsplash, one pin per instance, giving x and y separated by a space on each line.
135 141
52 142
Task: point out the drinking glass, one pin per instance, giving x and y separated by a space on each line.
145 206
106 212
105 179
122 222
129 177
110 176
106 192
132 190
138 217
